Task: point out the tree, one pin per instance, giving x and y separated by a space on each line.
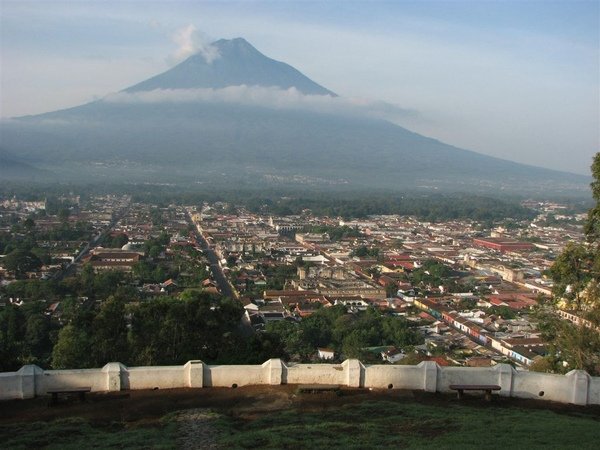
109 333
571 273
11 338
21 261
576 273
63 214
73 349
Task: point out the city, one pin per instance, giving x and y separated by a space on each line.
463 294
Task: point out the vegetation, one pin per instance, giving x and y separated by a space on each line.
281 201
349 425
347 334
337 233
410 425
77 433
576 273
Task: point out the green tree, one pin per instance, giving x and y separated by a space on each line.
73 349
571 273
21 261
109 333
11 338
576 273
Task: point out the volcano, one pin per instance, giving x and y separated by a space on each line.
231 115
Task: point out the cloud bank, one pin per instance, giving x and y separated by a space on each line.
267 97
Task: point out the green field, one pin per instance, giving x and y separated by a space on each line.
368 424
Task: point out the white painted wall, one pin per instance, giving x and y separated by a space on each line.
315 374
227 376
575 387
57 379
162 377
400 377
10 386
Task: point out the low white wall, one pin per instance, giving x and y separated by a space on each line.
575 387
162 377
464 375
594 392
227 376
542 385
399 377
63 379
10 386
315 374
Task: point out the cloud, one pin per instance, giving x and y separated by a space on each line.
190 41
268 97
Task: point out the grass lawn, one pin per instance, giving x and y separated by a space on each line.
410 425
335 422
80 434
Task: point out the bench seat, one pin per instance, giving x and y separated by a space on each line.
81 391
315 388
488 388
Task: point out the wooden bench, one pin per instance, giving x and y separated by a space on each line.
318 388
488 388
81 391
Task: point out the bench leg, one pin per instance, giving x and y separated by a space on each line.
459 394
82 397
488 395
54 400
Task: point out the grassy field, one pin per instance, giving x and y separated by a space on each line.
79 434
357 425
401 425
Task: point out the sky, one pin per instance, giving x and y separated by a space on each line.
519 80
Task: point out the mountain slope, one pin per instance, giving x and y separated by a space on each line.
12 168
237 63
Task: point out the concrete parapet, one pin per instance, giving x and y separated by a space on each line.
576 387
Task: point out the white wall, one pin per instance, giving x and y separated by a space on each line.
575 387
400 377
227 376
10 385
162 377
57 379
315 374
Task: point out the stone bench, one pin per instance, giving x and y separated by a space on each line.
318 388
488 388
80 391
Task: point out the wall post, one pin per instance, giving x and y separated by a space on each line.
430 371
275 367
505 379
353 369
113 375
580 383
27 380
194 373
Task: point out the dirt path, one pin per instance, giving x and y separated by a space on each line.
196 430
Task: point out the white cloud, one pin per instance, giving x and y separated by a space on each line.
268 97
190 41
